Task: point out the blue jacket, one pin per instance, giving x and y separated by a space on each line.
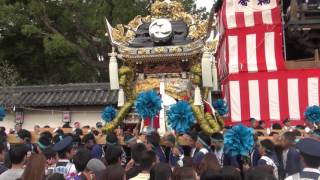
293 164
234 161
198 155
160 153
254 156
173 160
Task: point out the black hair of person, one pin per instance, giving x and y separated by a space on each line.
193 135
154 139
217 136
147 160
268 145
81 159
63 153
86 138
136 152
112 138
66 125
25 135
205 137
254 174
76 139
113 154
49 153
55 176
161 171
276 126
44 142
290 136
17 153
211 175
78 131
230 173
114 172
46 134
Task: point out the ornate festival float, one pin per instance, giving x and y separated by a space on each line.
167 71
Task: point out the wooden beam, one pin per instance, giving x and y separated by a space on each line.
309 63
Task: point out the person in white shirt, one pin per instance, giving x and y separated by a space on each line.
65 152
310 153
18 156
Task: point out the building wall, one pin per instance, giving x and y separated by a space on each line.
85 115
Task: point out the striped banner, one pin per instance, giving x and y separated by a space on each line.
250 37
271 96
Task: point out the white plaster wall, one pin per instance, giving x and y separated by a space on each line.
84 115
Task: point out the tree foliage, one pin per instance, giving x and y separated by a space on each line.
59 41
8 74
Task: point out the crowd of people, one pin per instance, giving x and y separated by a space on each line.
144 156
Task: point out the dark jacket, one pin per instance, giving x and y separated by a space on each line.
293 164
173 160
254 156
234 161
133 172
160 153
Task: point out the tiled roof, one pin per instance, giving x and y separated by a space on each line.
58 95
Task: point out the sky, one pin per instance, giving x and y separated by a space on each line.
205 3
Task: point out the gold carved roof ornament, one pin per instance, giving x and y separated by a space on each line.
198 32
173 10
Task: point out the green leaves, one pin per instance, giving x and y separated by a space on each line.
56 45
29 30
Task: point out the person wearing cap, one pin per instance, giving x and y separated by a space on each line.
202 145
175 152
65 151
217 143
310 154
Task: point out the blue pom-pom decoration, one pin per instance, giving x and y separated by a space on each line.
312 114
238 140
148 104
221 106
108 114
2 113
181 117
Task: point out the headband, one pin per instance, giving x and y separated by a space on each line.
42 146
202 142
130 140
216 140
